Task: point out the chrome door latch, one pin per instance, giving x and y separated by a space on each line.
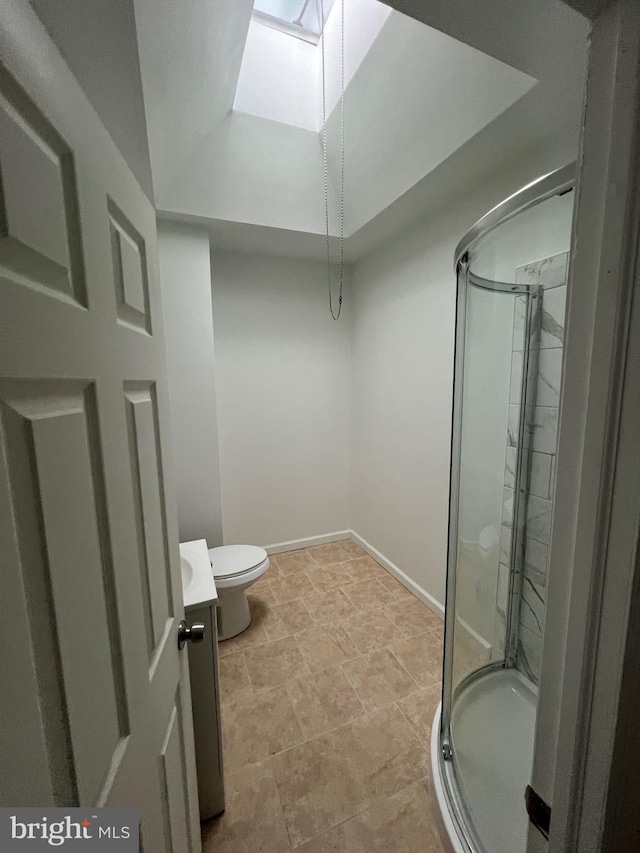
194 633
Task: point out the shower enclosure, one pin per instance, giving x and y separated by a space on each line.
511 289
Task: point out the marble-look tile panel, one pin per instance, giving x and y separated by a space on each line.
549 377
510 467
502 591
540 478
539 519
547 272
529 654
535 561
513 422
505 545
520 304
553 317
507 508
532 607
515 388
499 643
545 429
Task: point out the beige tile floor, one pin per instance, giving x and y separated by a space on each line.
327 702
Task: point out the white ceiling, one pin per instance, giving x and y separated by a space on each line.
417 99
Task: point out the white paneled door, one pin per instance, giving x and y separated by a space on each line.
94 694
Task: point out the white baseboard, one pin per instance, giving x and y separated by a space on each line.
486 646
397 573
295 544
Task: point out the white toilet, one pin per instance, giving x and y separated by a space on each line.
235 568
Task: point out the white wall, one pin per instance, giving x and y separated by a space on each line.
283 393
416 99
185 279
254 170
98 41
402 375
403 326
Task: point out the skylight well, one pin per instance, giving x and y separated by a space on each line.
299 18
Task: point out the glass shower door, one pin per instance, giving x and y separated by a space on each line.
495 351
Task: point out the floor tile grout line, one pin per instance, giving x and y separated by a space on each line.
363 716
317 736
401 709
334 826
257 691
370 800
284 818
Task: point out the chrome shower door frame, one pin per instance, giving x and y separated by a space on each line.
528 379
526 423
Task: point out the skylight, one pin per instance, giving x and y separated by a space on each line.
299 18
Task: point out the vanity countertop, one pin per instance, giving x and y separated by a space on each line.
198 583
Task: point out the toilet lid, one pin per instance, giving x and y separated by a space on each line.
230 560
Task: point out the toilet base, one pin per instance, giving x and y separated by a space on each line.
234 615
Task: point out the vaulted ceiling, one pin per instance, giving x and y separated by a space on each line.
241 151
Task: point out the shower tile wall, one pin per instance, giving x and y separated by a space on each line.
551 273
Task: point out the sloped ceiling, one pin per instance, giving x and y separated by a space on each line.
418 98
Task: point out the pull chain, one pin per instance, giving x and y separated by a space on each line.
334 314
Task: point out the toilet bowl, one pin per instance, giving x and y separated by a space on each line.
235 568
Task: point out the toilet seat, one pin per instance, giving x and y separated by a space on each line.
229 561
235 568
